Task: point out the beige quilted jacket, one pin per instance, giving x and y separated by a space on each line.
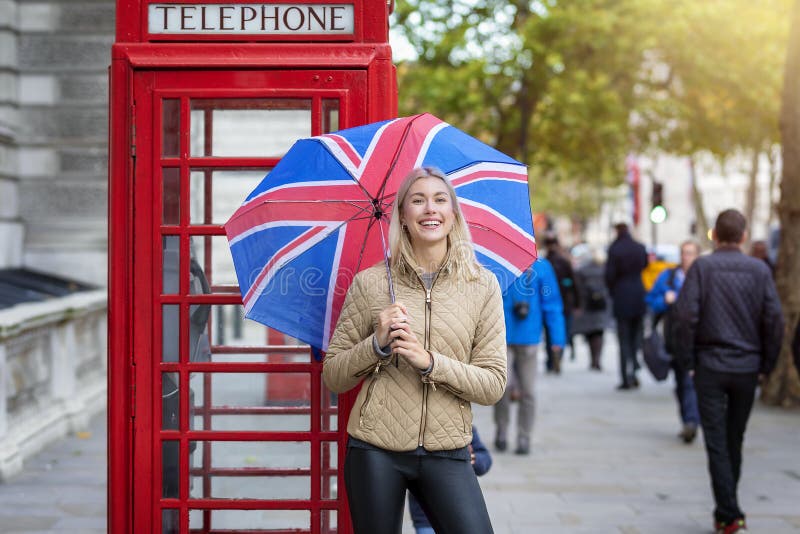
397 408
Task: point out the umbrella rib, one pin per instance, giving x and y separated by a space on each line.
364 243
396 156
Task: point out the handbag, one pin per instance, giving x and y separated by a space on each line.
656 357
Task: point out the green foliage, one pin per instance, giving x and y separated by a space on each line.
572 86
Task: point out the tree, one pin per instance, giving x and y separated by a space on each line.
709 55
783 386
550 83
571 87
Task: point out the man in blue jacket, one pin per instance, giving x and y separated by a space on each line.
660 300
533 297
730 328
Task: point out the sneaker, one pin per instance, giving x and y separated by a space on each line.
737 526
557 364
688 433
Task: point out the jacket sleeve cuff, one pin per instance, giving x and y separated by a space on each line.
429 370
381 352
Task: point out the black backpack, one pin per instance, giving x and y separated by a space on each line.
595 295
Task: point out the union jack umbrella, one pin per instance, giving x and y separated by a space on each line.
322 214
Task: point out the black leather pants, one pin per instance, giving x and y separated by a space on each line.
447 489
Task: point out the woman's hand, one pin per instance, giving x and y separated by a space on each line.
392 314
406 344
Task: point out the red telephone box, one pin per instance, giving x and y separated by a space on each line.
216 424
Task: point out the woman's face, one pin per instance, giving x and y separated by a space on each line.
427 212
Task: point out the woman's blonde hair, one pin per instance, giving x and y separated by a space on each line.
460 260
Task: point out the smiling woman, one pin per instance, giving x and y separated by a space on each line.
423 358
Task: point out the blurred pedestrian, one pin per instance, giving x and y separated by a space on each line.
562 265
422 360
627 258
481 461
730 326
532 298
590 318
661 300
759 249
655 266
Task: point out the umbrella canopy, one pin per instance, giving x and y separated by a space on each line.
322 214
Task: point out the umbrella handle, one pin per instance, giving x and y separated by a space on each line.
386 262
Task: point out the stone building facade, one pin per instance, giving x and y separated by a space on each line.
54 58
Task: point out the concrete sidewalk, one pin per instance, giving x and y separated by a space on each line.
607 461
602 461
62 489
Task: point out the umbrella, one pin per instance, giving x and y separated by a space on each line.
321 215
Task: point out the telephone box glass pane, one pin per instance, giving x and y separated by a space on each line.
250 470
329 525
244 127
235 339
330 115
330 457
170 122
170 261
246 520
214 256
170 469
171 195
215 194
170 401
170 521
251 401
329 409
170 315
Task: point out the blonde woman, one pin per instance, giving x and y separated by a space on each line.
423 359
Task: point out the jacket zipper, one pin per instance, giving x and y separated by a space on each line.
427 348
368 396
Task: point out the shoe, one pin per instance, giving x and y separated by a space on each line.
635 383
523 447
688 433
557 364
623 386
737 526
500 444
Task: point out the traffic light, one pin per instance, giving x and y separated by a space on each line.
658 213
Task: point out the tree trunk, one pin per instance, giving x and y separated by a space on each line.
700 221
783 386
773 172
752 195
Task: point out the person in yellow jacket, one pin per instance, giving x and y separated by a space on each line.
655 266
423 359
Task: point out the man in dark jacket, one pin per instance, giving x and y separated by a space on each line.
627 259
729 323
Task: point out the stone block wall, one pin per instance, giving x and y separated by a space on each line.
53 369
11 228
63 53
